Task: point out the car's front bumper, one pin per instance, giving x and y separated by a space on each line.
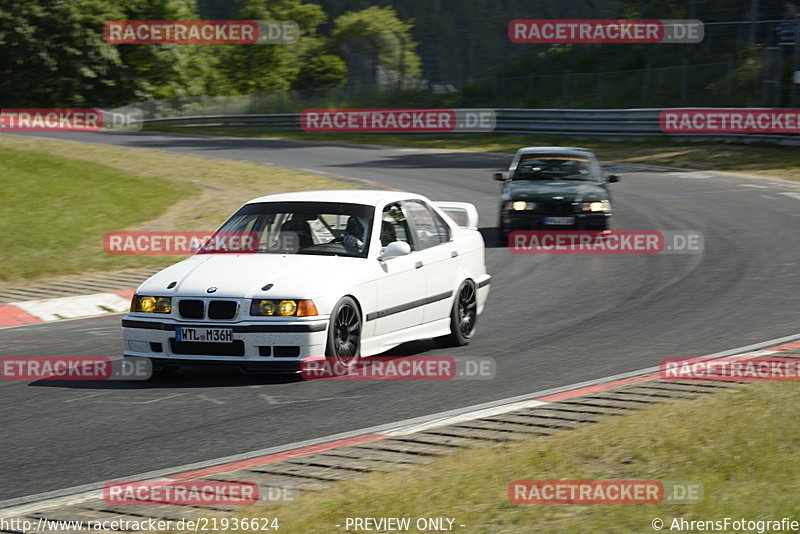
244 366
254 342
531 220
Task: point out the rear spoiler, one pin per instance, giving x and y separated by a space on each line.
463 214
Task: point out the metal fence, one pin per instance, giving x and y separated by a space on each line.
610 124
761 81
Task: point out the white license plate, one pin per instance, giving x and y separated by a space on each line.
559 221
206 335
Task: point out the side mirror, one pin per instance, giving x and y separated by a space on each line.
394 249
612 178
500 176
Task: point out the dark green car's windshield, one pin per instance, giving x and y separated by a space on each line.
555 167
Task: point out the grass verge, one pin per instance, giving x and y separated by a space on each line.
61 197
755 159
741 445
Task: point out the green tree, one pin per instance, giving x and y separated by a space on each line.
378 33
165 70
54 55
321 71
247 69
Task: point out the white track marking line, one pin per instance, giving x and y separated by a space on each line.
478 414
48 323
89 396
272 400
78 494
690 175
74 307
151 401
203 396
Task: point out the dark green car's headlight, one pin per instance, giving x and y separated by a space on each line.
148 304
599 205
519 205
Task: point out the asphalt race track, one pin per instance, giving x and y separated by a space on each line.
550 321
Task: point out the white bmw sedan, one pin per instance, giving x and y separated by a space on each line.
344 274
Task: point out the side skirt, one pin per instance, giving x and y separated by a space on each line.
384 342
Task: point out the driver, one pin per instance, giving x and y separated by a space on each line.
354 236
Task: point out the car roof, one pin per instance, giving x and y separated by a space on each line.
369 197
552 150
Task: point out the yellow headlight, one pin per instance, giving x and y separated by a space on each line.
147 304
163 305
267 307
283 308
519 205
287 307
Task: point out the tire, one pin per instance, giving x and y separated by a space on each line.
502 236
502 232
343 349
463 317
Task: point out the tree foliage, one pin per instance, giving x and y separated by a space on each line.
378 33
246 69
322 71
53 54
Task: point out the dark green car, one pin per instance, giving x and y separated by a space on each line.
554 188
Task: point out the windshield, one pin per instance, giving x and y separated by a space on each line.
544 167
319 228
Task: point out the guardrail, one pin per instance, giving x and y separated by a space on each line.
610 124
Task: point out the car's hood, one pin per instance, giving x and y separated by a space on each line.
540 190
243 275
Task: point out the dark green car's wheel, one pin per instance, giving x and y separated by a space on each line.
343 349
463 317
502 232
502 235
